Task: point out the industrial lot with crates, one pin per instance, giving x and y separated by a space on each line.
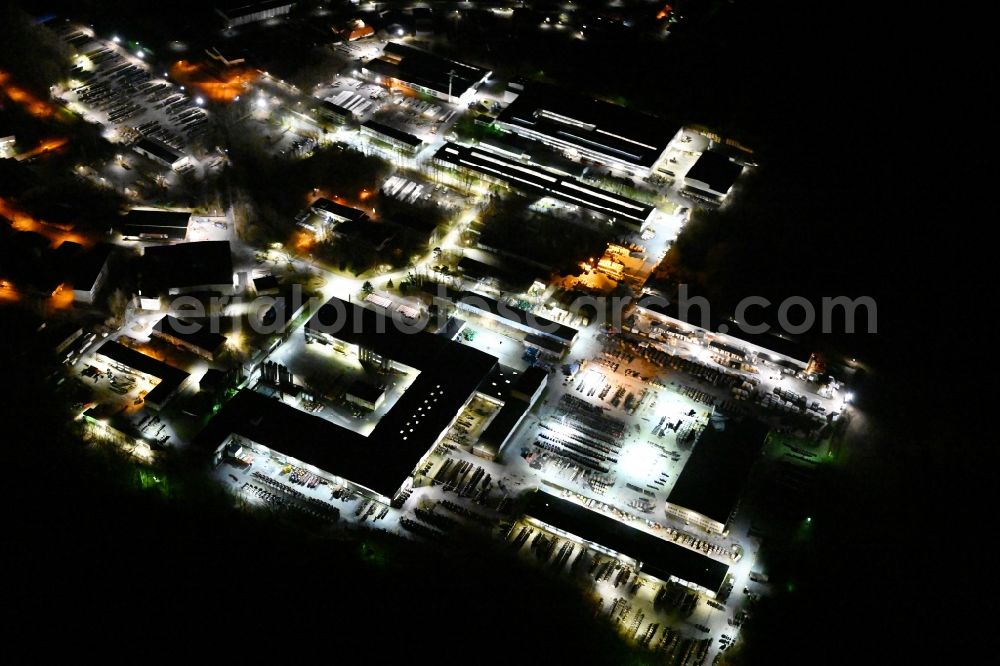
450 315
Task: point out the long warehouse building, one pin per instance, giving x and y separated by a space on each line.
424 72
582 126
662 559
535 180
707 491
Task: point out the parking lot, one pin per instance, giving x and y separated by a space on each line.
209 229
430 120
121 92
416 190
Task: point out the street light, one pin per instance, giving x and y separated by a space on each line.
116 39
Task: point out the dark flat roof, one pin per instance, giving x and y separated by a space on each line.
771 342
157 218
545 343
339 210
427 69
589 123
529 380
186 265
56 335
160 150
659 557
713 478
365 390
512 281
88 266
535 180
451 328
392 337
336 108
265 282
169 376
503 423
212 379
544 326
200 337
393 133
715 169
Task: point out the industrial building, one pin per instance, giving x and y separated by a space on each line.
365 395
125 359
713 174
531 152
425 73
585 127
545 346
526 322
735 343
399 139
234 15
189 336
708 489
82 269
203 266
333 212
383 461
525 391
493 167
161 153
355 30
266 285
59 337
334 113
154 224
517 281
28 265
89 272
656 557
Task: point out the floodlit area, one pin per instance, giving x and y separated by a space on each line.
326 375
489 221
263 481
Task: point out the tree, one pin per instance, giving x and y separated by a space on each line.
367 287
30 52
118 303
